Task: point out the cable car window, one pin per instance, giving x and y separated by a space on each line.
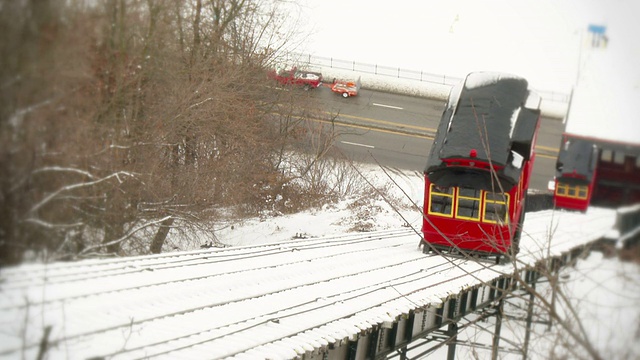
496 207
494 196
582 192
574 191
606 155
593 159
629 163
561 189
618 158
441 200
468 206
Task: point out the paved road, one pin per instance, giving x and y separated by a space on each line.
397 131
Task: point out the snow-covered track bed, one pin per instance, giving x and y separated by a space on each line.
274 300
68 272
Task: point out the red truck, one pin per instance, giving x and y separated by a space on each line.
306 79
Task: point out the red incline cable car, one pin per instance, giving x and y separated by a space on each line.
478 170
575 174
591 171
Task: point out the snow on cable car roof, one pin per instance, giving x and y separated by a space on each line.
486 78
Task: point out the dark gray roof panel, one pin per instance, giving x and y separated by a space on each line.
577 156
486 114
524 131
482 119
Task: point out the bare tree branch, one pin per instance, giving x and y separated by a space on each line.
53 195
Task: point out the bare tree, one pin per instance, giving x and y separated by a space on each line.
129 116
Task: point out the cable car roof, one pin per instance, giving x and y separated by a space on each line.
491 117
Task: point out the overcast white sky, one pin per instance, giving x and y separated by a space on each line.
537 39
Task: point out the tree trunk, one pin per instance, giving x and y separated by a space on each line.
113 231
161 236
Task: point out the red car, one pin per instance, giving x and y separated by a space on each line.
306 79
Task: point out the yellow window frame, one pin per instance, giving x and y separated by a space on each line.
563 189
584 189
504 202
479 199
436 193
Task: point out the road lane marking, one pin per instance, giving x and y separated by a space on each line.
383 122
358 144
369 128
388 106
547 148
547 156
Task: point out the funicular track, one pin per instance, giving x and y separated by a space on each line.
368 294
84 270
